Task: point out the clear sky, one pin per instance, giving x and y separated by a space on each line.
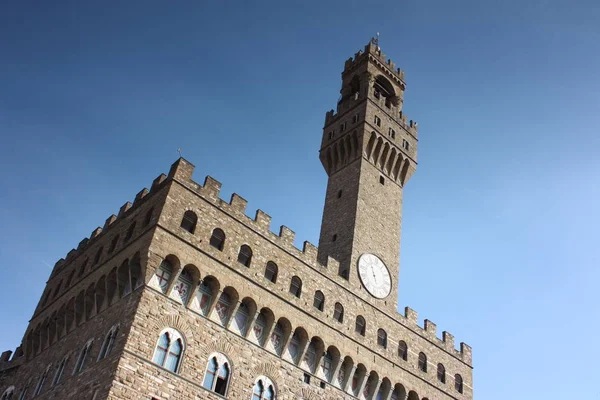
500 240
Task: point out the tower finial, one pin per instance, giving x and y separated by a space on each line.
179 151
375 40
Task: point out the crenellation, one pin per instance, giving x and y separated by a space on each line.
141 194
263 221
71 254
5 356
83 244
95 233
157 182
310 253
211 189
238 204
124 208
182 170
332 265
430 328
448 340
411 316
287 235
466 353
109 221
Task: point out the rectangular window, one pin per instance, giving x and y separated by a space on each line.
405 144
306 378
342 126
330 135
355 118
377 121
382 180
392 133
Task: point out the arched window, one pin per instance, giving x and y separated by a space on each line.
108 344
338 312
223 308
441 373
217 239
296 286
169 350
319 300
189 220
458 383
148 218
25 390
360 326
326 365
403 350
80 364
8 393
245 255
59 371
98 255
82 269
271 272
263 389
130 231
382 338
423 362
113 244
218 372
69 279
163 275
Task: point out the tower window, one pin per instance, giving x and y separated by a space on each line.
129 232
403 350
382 180
377 121
338 312
296 286
82 356
189 221
113 244
217 239
360 326
458 383
245 255
319 300
344 273
382 338
441 373
392 133
216 377
271 271
330 135
339 194
405 144
355 118
306 378
148 218
334 238
423 362
342 126
168 350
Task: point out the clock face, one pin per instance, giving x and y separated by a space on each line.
374 275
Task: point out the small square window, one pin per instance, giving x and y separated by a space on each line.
334 238
306 378
382 180
340 194
322 385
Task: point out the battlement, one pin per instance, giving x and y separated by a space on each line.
373 52
8 362
182 171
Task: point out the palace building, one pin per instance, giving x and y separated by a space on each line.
182 295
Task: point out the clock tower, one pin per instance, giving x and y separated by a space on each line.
369 151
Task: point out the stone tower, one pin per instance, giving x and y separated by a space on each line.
182 295
369 152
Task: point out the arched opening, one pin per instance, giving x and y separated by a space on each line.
101 293
458 383
441 373
319 300
422 362
403 350
169 350
124 279
382 88
217 239
357 379
111 287
344 372
189 220
360 326
263 322
243 315
245 256
225 304
80 308
338 313
208 289
382 338
135 267
399 392
329 362
217 374
296 286
185 282
280 334
297 344
90 301
271 271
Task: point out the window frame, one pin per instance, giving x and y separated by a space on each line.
173 336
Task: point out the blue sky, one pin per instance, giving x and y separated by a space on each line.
500 226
